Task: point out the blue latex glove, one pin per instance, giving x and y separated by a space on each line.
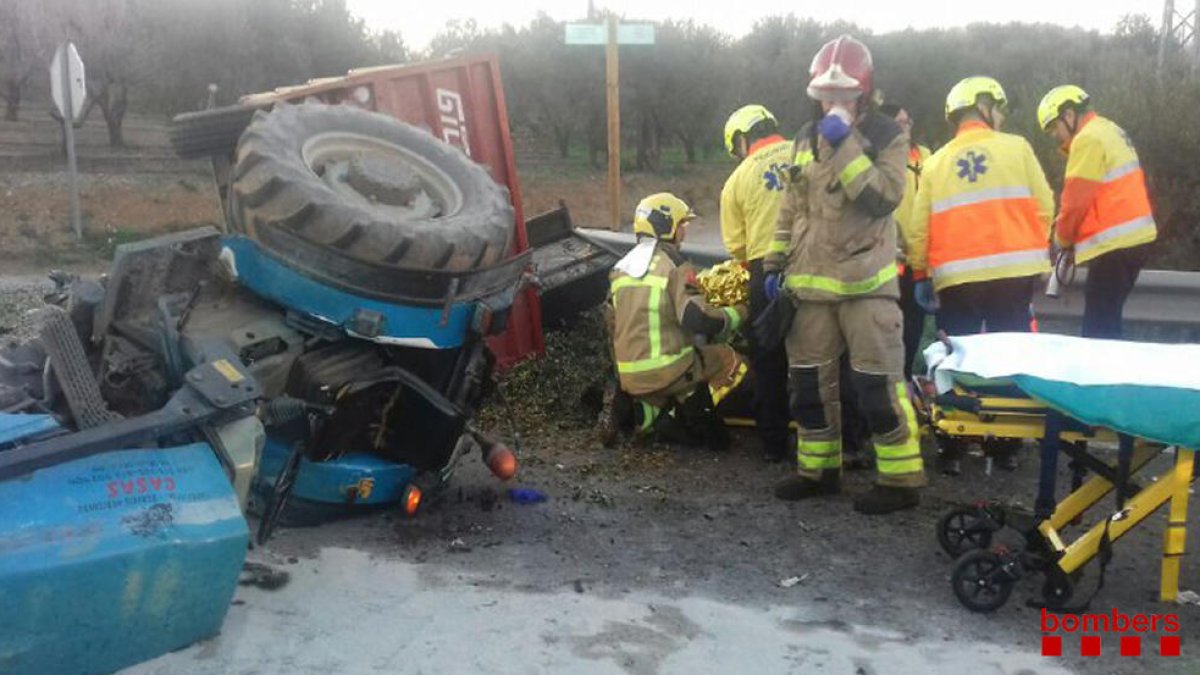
771 286
834 129
925 297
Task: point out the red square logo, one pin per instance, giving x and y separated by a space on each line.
1089 645
1051 645
1131 645
1168 645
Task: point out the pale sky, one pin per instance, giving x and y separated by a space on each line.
419 20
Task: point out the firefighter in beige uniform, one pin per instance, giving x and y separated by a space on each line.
834 255
657 310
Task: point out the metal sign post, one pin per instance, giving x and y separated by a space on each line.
68 90
615 35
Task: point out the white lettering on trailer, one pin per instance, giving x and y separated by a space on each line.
454 119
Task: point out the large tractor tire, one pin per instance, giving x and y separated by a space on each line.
351 195
209 133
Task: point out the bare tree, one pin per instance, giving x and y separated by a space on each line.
108 32
26 42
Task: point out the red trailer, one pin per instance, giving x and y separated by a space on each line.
460 101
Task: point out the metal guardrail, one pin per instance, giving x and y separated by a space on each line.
1163 307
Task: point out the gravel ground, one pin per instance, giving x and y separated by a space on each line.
19 296
627 528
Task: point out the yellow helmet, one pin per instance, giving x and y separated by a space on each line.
1051 106
743 120
661 215
966 94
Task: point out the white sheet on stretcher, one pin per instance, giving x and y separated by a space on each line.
1062 358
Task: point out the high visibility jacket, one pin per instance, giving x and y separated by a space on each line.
751 197
917 155
1104 205
655 319
983 210
835 236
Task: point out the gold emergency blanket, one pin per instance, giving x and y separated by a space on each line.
726 284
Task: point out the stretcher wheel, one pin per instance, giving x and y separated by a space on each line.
982 581
962 530
1057 590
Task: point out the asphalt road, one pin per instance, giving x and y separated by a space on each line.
658 561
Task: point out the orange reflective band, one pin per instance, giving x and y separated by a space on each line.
763 142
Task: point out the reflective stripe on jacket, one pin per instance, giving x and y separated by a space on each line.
983 210
751 197
1104 204
655 318
835 236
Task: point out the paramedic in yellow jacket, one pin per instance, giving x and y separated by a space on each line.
914 315
1104 215
657 312
980 231
749 208
834 253
981 224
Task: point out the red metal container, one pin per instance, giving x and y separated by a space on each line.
460 101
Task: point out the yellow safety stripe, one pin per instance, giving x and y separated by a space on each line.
778 247
899 466
854 169
649 414
903 457
839 287
642 365
648 281
803 158
1136 231
979 196
735 319
818 455
655 323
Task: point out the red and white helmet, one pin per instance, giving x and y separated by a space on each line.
841 71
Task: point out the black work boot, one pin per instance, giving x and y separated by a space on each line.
883 499
1004 454
949 459
798 487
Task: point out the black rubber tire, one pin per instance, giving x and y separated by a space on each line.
979 583
282 203
961 530
209 133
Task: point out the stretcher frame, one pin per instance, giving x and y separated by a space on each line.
967 415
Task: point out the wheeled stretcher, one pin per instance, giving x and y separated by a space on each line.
1077 398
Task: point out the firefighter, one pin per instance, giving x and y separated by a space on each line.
834 255
656 310
749 207
1104 216
980 229
914 315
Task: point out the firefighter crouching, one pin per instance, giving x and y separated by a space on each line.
656 312
834 254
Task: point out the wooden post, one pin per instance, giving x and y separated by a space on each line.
612 85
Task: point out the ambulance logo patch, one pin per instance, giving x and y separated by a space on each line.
972 165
